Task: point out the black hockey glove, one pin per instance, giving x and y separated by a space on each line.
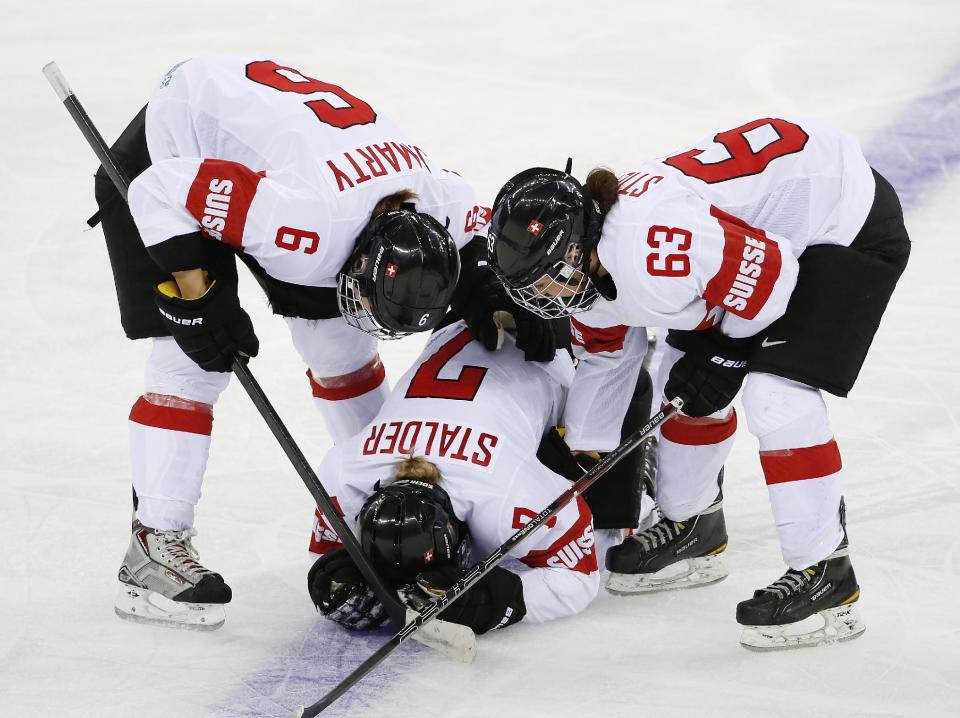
479 295
209 329
339 592
710 373
554 453
495 601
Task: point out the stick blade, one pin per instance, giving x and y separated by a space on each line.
450 639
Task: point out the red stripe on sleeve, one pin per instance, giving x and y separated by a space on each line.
171 418
596 340
220 198
324 539
699 431
749 269
576 550
349 386
811 462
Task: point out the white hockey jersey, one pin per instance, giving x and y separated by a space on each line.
711 235
479 416
281 166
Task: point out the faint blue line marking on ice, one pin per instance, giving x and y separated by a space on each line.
304 671
920 148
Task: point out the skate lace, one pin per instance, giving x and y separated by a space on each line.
178 546
792 581
659 534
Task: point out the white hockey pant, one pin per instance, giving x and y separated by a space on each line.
170 425
800 461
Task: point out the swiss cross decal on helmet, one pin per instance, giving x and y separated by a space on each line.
408 525
544 230
401 275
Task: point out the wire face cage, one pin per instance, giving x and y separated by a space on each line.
357 310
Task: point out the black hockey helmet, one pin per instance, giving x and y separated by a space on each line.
409 525
401 275
544 229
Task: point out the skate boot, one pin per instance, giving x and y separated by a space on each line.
671 554
161 582
804 608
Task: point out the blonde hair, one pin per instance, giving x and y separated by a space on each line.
604 186
393 202
417 467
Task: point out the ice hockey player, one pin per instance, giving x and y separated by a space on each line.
770 249
448 464
351 229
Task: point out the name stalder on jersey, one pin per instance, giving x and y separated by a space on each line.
220 198
432 439
749 268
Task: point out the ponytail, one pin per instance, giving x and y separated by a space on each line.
603 187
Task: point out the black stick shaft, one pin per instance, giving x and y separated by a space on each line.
387 597
484 567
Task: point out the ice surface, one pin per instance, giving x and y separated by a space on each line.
490 88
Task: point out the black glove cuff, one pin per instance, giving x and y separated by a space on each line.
710 341
179 254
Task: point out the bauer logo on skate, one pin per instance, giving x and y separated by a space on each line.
432 439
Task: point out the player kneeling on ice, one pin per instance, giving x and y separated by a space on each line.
770 252
351 229
448 464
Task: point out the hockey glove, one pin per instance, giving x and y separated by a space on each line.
554 453
711 371
479 295
339 592
495 601
209 329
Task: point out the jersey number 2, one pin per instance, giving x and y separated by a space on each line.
771 136
337 107
426 383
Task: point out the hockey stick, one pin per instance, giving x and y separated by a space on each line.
484 567
396 610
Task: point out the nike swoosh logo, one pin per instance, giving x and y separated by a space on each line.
767 343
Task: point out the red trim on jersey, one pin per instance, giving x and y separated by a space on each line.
811 462
172 418
576 550
746 252
349 386
220 198
699 431
596 340
324 539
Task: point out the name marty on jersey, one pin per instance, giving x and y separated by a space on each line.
431 439
754 252
372 161
216 208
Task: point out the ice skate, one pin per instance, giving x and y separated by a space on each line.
161 582
671 554
811 607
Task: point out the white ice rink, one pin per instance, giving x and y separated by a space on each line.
490 88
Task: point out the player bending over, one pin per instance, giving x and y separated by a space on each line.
449 465
769 250
351 229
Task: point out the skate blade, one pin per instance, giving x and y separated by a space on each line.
842 623
450 639
141 605
689 573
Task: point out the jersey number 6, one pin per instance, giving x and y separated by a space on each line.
337 108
